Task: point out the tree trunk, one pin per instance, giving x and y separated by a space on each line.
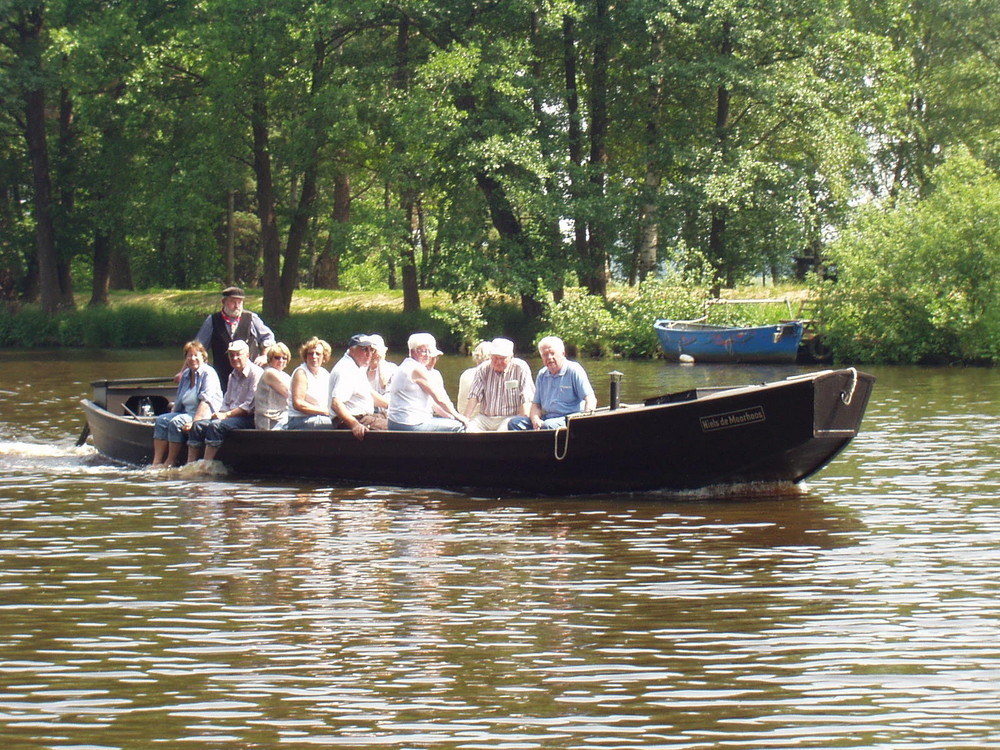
599 241
230 238
273 307
30 30
102 271
121 270
411 281
574 140
408 197
326 273
296 236
647 246
45 241
720 214
551 233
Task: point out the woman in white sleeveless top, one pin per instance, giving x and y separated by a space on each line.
270 401
309 397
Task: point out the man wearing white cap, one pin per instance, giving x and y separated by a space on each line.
501 389
236 412
352 400
414 395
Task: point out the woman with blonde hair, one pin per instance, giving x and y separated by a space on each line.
270 402
308 396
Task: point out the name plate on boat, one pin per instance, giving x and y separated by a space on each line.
739 418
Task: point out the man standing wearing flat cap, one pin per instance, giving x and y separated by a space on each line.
233 323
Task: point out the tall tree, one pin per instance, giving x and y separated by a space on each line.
23 34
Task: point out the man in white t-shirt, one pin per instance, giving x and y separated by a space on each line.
352 398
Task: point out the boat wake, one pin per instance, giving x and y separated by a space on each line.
19 456
745 491
197 470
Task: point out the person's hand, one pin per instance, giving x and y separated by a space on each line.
359 430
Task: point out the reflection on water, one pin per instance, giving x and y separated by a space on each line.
860 611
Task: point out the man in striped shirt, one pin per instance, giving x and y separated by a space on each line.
502 388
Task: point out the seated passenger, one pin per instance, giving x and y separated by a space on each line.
479 355
198 396
414 395
309 393
236 412
270 402
562 388
380 370
352 399
501 389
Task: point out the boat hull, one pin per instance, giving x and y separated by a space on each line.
773 344
775 432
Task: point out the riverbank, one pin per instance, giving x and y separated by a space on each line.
170 317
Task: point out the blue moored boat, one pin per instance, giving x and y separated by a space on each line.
704 342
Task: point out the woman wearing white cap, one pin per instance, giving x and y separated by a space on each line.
413 394
380 370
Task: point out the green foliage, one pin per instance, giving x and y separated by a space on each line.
636 310
470 319
919 282
336 327
623 326
357 277
749 313
126 326
464 318
584 323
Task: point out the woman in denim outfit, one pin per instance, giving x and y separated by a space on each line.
199 394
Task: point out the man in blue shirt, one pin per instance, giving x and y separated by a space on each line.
562 388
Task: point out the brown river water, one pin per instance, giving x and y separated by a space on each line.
204 610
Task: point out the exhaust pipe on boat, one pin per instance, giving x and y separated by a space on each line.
616 382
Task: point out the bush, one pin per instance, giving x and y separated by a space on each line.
919 282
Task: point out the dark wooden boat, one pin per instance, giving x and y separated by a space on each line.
776 432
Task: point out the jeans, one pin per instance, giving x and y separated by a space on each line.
436 424
170 426
306 423
524 423
213 431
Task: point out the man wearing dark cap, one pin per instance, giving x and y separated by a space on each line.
352 398
233 323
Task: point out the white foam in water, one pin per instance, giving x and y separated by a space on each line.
32 450
56 457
